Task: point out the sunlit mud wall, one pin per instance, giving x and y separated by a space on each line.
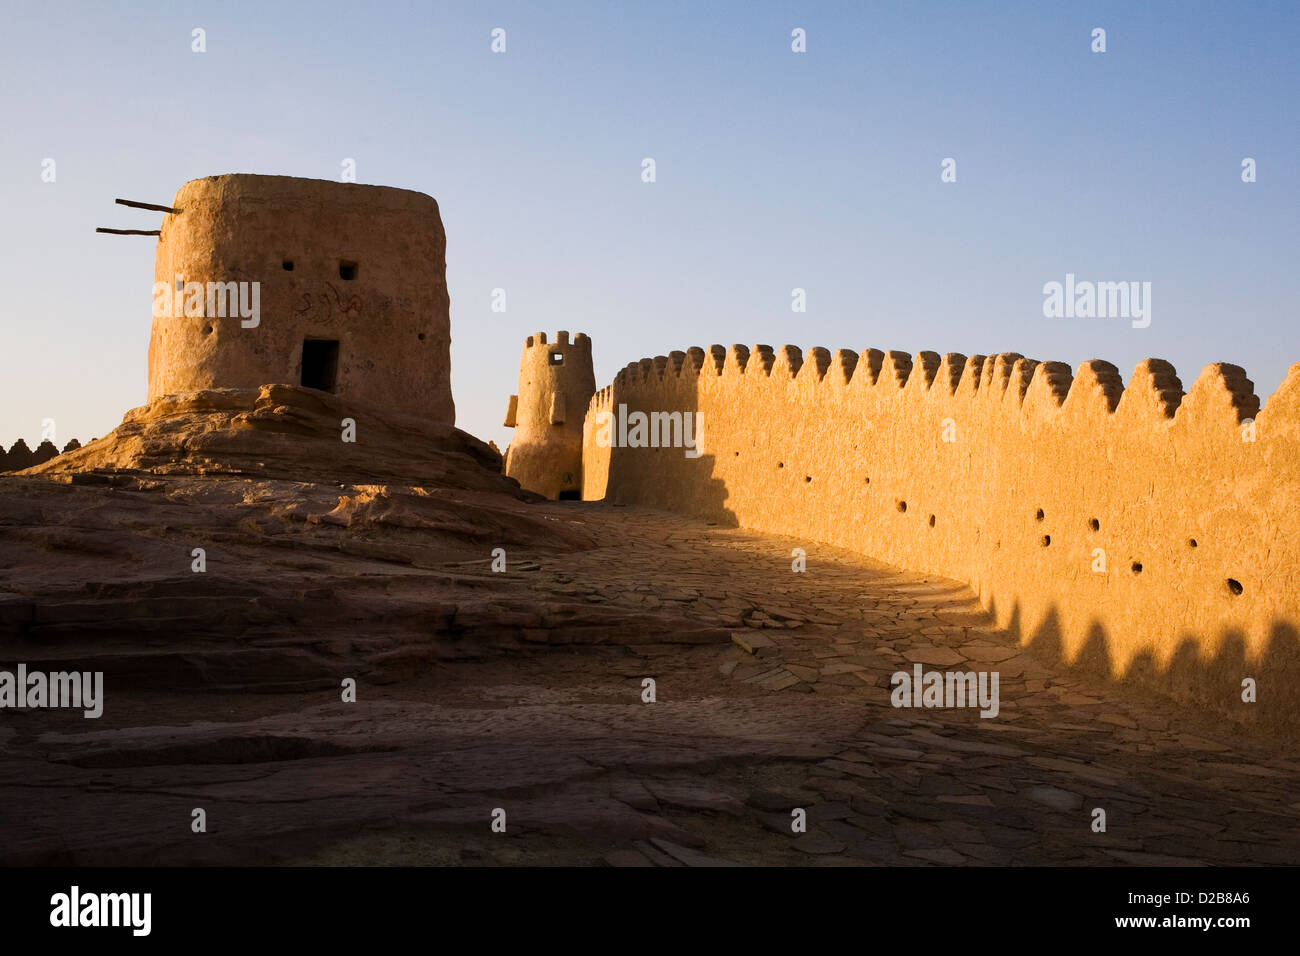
1145 531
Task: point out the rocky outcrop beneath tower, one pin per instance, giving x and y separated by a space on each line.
290 433
233 539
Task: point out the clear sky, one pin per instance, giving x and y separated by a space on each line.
775 170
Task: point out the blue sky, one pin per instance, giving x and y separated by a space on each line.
775 170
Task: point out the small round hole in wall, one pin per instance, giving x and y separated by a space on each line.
207 330
807 477
1094 524
737 454
1038 515
420 336
287 265
780 464
1137 567
902 506
1191 542
866 481
1235 586
1047 540
931 521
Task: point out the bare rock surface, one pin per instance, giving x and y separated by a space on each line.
282 431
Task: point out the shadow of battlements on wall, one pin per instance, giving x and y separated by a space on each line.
1213 683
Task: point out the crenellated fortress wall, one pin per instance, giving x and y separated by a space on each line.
1142 530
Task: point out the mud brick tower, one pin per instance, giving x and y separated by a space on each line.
352 292
556 383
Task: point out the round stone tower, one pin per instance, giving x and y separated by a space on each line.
556 383
266 280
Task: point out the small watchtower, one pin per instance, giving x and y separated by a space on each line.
346 286
556 382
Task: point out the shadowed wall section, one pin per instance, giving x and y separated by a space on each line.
1145 531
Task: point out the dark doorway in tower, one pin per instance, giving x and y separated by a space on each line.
320 363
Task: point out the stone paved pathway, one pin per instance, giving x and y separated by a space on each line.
781 702
938 785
